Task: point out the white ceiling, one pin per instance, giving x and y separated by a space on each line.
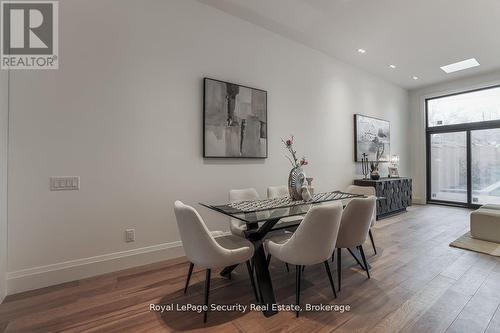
418 36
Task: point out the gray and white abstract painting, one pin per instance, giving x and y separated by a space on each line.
235 120
372 135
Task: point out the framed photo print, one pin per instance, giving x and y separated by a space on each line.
393 172
372 136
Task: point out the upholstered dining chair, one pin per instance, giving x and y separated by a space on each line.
368 191
312 243
281 191
353 231
277 191
288 223
236 226
203 250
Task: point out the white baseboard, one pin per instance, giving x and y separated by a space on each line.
419 201
44 276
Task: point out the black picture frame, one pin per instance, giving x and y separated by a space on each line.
205 154
356 129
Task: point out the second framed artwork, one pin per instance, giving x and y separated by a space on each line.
234 120
372 136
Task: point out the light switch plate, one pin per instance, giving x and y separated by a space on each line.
64 183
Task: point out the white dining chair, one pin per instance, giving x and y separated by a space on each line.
277 191
312 243
367 191
236 226
239 227
203 250
353 231
290 223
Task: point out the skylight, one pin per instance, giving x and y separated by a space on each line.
461 65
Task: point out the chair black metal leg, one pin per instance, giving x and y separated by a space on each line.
303 268
339 265
373 243
191 265
207 290
287 268
298 273
364 260
356 257
252 280
333 255
329 273
268 259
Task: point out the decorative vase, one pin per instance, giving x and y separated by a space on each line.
296 179
375 175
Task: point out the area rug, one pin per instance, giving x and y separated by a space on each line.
467 242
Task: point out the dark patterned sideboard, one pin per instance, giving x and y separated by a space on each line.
394 194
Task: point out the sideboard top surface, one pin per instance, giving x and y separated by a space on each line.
385 179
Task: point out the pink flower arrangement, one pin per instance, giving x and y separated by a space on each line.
295 162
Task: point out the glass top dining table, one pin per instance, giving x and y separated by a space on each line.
260 217
262 210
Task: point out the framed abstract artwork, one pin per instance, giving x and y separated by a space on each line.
234 120
372 136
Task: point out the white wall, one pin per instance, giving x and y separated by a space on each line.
4 116
417 110
124 112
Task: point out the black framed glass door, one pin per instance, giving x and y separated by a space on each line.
485 166
448 167
463 148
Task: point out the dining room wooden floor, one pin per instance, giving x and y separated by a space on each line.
418 284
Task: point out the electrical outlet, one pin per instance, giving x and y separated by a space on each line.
64 183
130 235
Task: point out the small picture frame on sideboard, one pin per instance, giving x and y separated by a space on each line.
393 172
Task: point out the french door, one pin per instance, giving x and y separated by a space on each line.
448 167
485 166
463 148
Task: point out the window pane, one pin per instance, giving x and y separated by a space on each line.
485 166
449 167
470 107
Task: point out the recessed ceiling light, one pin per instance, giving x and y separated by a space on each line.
392 66
414 77
362 51
461 65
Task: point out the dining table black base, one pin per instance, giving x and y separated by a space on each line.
256 234
226 272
